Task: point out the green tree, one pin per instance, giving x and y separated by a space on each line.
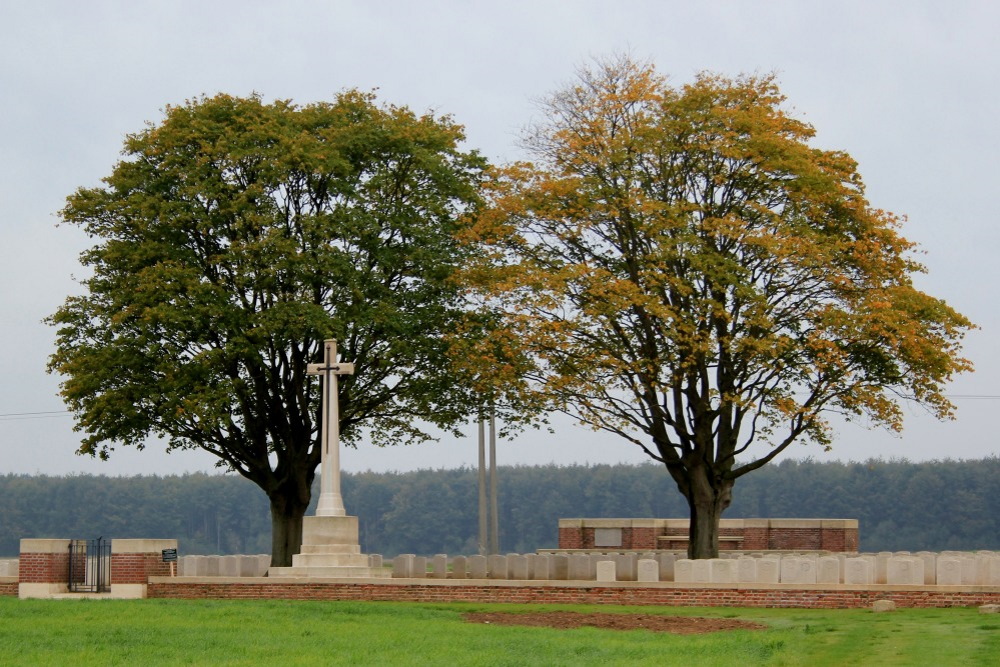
690 274
232 239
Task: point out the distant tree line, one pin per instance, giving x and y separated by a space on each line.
936 505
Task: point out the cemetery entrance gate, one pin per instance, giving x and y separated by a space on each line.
90 566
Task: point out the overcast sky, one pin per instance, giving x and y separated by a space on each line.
910 89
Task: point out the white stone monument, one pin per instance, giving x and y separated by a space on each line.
330 544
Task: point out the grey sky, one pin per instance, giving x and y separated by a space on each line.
907 88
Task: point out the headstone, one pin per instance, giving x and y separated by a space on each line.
930 566
882 566
905 570
517 567
402 566
647 570
858 571
983 568
559 567
746 570
418 568
541 568
496 566
264 564
992 571
605 570
214 564
459 567
768 571
626 567
229 566
828 570
439 566
185 567
683 571
969 576
721 570
701 571
478 566
949 571
579 567
375 561
248 566
883 605
532 560
666 566
798 571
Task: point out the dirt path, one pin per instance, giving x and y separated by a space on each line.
681 625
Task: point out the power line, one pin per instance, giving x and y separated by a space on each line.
45 414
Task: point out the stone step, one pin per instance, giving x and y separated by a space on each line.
330 560
335 572
330 549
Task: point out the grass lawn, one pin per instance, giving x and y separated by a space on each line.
218 632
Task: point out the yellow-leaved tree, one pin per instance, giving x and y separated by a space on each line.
688 273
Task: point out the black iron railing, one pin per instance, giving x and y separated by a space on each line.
90 566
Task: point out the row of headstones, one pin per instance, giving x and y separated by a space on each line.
8 567
901 568
867 569
526 567
223 566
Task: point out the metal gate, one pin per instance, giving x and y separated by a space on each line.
89 566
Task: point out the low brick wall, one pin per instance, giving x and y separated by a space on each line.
8 586
668 595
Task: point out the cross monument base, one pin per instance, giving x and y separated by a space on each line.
330 548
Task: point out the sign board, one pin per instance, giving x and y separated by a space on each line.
169 555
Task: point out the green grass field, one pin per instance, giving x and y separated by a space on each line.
215 632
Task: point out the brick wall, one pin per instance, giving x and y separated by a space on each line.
8 587
136 568
572 538
671 596
44 568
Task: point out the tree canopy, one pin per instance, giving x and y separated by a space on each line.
691 274
231 239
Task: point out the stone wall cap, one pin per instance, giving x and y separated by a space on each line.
141 546
44 546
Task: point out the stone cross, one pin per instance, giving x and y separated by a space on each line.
330 501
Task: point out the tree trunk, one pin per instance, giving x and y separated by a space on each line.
708 496
286 529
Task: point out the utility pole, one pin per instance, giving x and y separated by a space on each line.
494 516
483 507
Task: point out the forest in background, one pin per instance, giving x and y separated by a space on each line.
900 505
